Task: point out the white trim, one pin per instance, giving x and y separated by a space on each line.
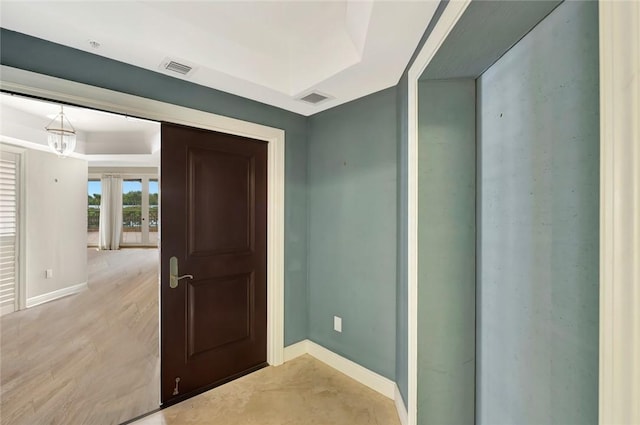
400 407
619 24
376 382
445 24
25 82
98 176
54 295
275 249
7 309
353 370
296 350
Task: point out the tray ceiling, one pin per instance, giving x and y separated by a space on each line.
272 52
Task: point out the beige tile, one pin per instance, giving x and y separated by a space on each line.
301 392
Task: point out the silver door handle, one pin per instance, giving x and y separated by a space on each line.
173 273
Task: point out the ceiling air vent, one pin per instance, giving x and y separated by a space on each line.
181 67
178 67
314 98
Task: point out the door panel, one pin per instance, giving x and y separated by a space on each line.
220 312
222 185
213 214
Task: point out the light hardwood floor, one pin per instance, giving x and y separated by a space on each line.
91 358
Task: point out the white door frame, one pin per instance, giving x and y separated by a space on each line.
619 24
619 383
30 83
445 24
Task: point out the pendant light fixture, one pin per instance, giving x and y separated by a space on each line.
61 135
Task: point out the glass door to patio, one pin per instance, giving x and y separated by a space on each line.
139 211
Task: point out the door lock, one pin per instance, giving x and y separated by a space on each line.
173 273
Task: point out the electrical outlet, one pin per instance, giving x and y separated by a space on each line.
49 273
337 324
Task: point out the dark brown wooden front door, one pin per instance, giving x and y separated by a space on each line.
213 220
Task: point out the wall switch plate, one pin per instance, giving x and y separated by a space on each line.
49 273
337 324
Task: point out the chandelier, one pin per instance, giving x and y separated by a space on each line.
61 135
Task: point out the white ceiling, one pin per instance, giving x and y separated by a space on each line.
272 52
103 139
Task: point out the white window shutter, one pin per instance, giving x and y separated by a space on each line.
9 174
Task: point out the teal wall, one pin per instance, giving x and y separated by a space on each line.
538 219
33 54
353 265
346 228
352 229
446 251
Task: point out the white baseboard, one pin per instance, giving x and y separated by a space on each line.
6 309
400 407
296 350
376 382
54 295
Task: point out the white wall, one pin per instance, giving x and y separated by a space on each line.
56 224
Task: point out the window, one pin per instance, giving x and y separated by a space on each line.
93 211
132 212
153 211
139 211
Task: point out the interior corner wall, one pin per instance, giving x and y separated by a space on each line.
538 216
32 54
446 251
352 230
56 222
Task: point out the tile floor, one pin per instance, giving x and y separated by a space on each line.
303 391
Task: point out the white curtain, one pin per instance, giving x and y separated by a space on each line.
110 229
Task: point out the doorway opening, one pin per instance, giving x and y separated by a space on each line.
214 260
84 327
18 81
474 123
